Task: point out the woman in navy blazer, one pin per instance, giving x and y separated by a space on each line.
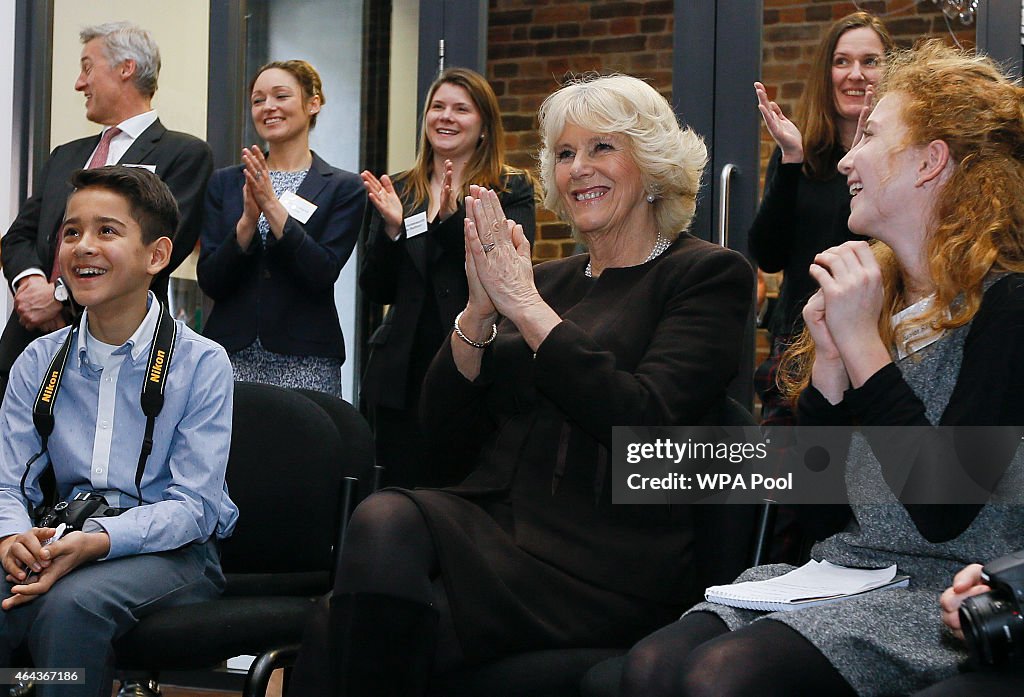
277 231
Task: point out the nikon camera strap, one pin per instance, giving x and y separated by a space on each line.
153 385
152 398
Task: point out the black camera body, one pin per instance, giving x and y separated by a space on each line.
992 622
75 512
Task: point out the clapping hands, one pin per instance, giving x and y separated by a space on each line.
258 197
449 197
382 195
784 131
499 267
257 177
499 272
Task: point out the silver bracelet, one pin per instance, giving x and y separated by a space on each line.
474 344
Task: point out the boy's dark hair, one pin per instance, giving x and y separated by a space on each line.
151 203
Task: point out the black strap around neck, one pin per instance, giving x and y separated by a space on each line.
153 386
152 398
42 413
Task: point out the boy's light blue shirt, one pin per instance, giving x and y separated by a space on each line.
98 435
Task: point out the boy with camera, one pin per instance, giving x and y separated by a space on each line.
127 405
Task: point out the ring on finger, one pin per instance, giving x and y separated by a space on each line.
489 247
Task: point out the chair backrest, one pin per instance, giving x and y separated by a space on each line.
356 436
284 472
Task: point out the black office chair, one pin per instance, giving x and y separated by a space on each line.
725 536
287 472
356 436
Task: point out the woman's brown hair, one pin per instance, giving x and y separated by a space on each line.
816 113
486 165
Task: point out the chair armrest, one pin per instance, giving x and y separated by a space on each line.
258 677
349 499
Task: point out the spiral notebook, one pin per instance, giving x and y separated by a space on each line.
814 583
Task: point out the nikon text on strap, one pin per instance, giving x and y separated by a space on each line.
152 397
153 386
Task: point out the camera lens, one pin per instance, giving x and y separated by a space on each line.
993 629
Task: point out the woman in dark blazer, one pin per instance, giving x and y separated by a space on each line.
277 231
415 260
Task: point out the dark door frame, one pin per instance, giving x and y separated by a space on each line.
998 32
717 58
33 71
225 100
462 25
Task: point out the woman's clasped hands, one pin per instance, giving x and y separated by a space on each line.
499 267
842 317
258 197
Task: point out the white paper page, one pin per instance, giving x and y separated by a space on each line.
812 580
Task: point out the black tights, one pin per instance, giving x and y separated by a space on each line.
388 550
699 657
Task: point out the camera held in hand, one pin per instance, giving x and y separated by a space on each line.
75 512
992 622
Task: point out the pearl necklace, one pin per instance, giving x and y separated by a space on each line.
660 245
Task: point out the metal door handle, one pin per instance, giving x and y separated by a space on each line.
724 187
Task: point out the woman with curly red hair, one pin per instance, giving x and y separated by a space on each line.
922 328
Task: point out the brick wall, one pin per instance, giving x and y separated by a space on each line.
534 44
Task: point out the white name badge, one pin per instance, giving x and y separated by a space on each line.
415 225
912 339
297 207
151 168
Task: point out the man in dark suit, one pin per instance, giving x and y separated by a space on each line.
120 64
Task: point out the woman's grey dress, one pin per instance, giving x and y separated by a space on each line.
893 641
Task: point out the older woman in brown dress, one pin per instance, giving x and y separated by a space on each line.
528 552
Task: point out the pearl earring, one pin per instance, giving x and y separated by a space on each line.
650 198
